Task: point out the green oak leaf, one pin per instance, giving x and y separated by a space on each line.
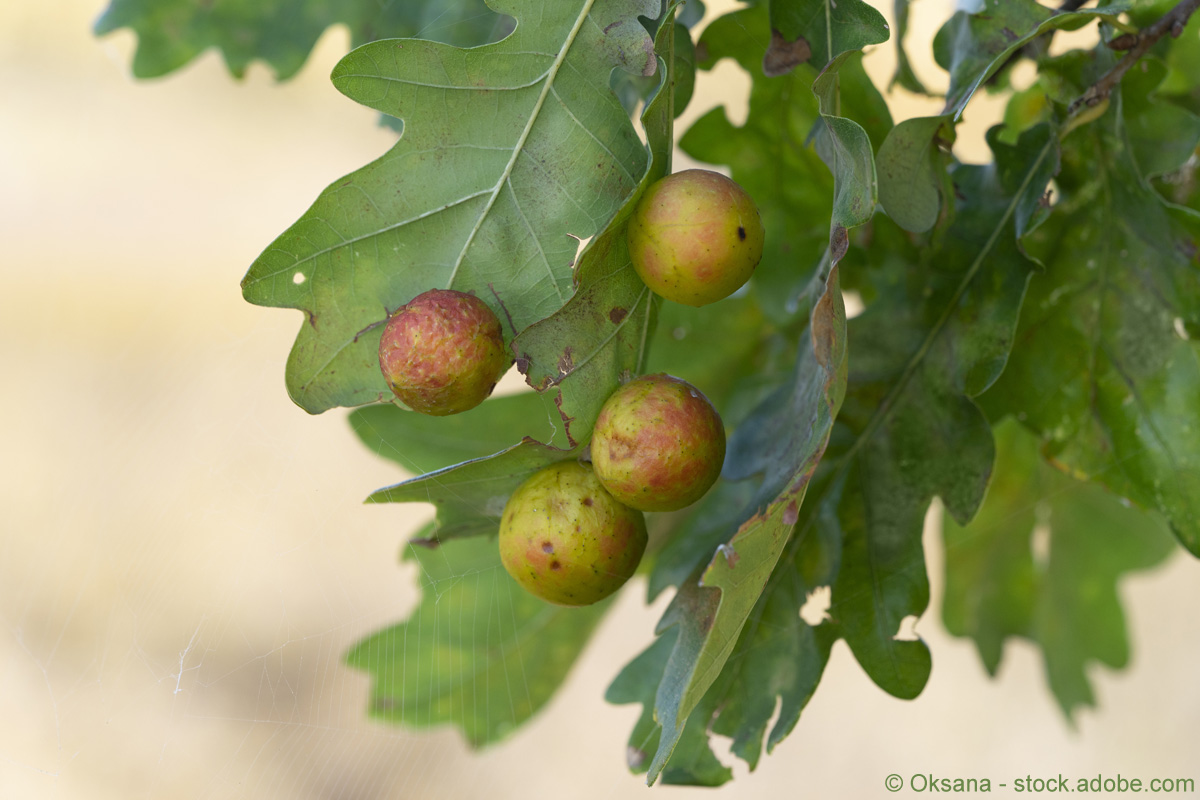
828 28
282 32
1183 63
1162 136
420 443
845 148
599 338
766 156
508 151
470 496
937 333
714 603
1064 601
719 347
911 166
972 48
634 89
479 652
1106 366
783 443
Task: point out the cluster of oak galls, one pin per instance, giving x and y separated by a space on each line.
574 532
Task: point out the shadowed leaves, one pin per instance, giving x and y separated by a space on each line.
972 48
479 652
1107 368
282 32
1062 593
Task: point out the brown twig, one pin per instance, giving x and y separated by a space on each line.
1172 22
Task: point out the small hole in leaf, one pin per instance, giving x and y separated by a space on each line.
299 278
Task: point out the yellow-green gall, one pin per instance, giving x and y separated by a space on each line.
567 540
695 237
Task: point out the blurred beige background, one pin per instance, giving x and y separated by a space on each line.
184 556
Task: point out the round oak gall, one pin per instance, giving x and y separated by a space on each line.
567 540
658 444
695 237
443 352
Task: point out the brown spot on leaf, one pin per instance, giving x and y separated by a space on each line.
428 542
783 56
791 513
565 362
839 243
555 565
617 314
567 420
587 501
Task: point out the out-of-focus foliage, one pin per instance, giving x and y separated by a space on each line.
1029 335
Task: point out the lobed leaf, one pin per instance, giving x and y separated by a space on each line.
937 333
714 603
282 32
768 156
828 28
1106 368
973 48
420 443
1063 599
470 496
479 652
599 338
509 151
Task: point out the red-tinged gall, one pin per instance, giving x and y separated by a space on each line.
695 237
567 540
658 444
443 352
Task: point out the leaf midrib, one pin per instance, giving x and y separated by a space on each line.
519 147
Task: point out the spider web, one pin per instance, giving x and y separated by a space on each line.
183 560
